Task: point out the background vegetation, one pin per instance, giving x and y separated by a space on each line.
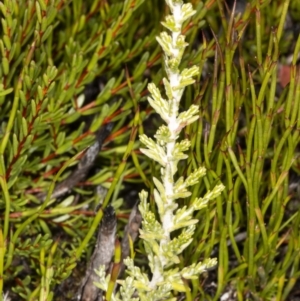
70 67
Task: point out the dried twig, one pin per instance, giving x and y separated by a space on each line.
131 231
6 297
103 253
83 167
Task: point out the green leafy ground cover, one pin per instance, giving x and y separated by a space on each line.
247 137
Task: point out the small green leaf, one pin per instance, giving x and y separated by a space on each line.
38 10
65 147
5 65
5 92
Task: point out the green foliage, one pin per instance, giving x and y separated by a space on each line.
248 137
243 128
50 51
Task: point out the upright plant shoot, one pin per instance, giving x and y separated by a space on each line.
162 248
